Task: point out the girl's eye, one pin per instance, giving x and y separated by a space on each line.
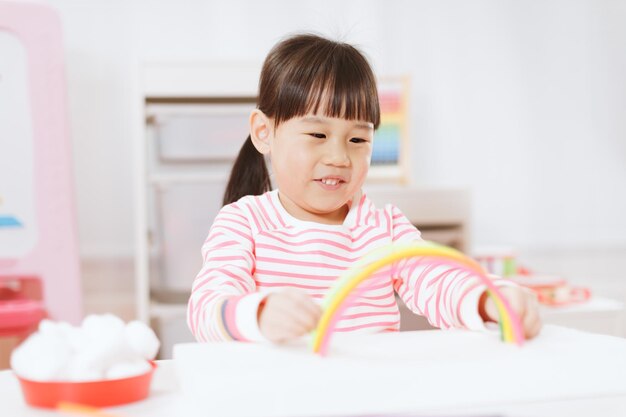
318 135
357 140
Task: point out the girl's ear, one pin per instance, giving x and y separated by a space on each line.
260 131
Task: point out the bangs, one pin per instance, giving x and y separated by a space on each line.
334 79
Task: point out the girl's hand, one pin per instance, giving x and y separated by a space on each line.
523 301
288 315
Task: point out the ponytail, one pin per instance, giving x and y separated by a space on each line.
249 175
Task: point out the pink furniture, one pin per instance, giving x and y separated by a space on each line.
21 306
38 239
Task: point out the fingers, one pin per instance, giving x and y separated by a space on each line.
524 303
304 303
532 319
532 325
288 315
491 311
301 309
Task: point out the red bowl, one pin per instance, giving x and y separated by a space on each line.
102 393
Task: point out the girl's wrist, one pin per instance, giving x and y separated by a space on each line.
260 310
482 307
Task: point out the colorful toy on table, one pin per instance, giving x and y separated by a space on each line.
499 260
347 288
553 290
101 363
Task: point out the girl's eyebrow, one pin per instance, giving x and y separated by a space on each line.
315 119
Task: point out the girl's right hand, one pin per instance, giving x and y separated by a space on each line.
287 315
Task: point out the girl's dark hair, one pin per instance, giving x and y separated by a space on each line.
300 75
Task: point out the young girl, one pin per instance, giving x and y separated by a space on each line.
272 255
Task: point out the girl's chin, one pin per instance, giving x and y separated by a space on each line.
325 204
329 210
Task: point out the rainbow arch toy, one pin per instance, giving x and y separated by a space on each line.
346 288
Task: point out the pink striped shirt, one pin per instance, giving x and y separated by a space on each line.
255 247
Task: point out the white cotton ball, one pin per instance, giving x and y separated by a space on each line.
102 347
42 357
106 339
142 339
127 369
76 339
81 369
119 350
103 326
110 351
48 327
89 363
64 327
72 334
98 344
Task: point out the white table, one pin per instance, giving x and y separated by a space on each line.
166 399
597 315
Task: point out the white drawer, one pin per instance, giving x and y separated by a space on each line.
199 132
184 214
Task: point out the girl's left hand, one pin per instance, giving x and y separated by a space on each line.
522 300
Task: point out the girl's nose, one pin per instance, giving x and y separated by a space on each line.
336 154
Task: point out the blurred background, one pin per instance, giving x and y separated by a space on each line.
523 103
519 106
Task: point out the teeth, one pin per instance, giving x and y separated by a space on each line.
330 182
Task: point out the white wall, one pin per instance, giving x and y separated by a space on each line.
523 102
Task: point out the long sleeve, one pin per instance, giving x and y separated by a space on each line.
224 300
446 295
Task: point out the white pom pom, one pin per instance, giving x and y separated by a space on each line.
142 339
42 357
106 339
84 367
48 327
103 346
127 369
89 363
104 326
77 339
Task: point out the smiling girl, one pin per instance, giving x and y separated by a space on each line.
271 255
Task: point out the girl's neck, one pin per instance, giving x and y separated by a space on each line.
336 217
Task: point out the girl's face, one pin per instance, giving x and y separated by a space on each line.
319 163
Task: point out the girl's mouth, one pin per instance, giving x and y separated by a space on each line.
330 184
